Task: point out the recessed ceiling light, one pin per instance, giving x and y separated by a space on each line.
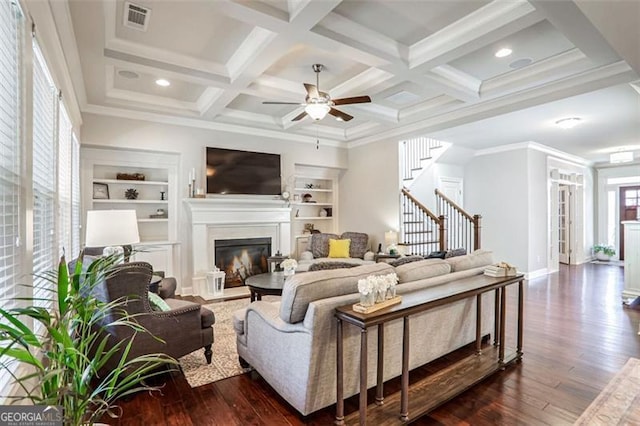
128 74
162 82
505 51
568 123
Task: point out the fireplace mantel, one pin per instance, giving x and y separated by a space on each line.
227 218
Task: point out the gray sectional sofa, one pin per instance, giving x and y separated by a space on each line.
292 343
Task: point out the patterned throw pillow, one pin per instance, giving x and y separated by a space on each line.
323 266
157 304
319 244
339 248
456 252
359 243
404 260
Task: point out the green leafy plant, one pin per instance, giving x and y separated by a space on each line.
606 250
66 359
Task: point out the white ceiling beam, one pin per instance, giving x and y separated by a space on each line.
251 117
490 23
439 104
588 81
257 39
360 83
569 19
458 80
557 66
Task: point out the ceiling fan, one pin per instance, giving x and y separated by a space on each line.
318 104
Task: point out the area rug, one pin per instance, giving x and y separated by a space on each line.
224 362
608 262
619 402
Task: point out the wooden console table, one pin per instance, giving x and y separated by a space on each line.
438 388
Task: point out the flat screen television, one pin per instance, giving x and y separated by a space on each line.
231 171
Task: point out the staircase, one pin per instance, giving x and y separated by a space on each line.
423 232
464 229
416 155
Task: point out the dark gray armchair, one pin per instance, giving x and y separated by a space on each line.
184 329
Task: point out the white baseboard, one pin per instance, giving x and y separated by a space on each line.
536 274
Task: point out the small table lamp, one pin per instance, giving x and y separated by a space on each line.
390 241
115 230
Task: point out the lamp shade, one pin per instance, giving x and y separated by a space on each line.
317 111
111 228
390 238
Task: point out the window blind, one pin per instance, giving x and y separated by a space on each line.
11 254
75 198
64 180
44 176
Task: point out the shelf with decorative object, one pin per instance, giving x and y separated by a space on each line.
150 179
314 201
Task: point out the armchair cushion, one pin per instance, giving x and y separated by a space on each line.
319 244
339 248
359 243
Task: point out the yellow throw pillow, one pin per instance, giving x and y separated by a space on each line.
339 248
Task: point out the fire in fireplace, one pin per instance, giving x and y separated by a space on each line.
242 258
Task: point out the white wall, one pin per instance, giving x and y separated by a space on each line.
190 144
537 208
496 188
425 185
369 191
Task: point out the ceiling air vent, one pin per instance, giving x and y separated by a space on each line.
136 17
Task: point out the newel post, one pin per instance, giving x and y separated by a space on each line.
477 222
443 232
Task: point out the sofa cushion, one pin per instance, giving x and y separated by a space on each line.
324 266
359 243
456 252
476 259
319 244
422 269
301 289
339 248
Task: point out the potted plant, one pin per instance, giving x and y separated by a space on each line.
603 252
65 359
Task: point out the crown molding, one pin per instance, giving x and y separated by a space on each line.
204 124
557 154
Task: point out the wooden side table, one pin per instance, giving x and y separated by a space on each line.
436 389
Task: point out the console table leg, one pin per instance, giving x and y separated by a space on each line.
339 376
520 317
497 318
363 377
503 312
479 324
404 395
379 386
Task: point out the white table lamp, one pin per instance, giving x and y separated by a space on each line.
390 241
112 229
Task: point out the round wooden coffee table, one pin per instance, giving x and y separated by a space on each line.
265 284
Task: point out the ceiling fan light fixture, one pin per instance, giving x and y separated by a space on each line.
317 111
568 123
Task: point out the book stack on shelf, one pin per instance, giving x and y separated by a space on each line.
501 269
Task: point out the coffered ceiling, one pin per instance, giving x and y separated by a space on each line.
429 67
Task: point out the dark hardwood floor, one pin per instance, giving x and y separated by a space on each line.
577 336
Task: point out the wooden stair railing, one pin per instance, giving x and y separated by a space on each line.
422 231
464 229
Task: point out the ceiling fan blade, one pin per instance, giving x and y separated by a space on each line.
312 90
300 116
281 103
339 114
354 100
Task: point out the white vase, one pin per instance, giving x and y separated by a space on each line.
368 299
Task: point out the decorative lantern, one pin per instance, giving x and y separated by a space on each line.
275 261
215 282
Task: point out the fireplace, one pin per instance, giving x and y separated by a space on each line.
240 258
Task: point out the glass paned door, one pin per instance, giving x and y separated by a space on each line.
629 205
563 224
